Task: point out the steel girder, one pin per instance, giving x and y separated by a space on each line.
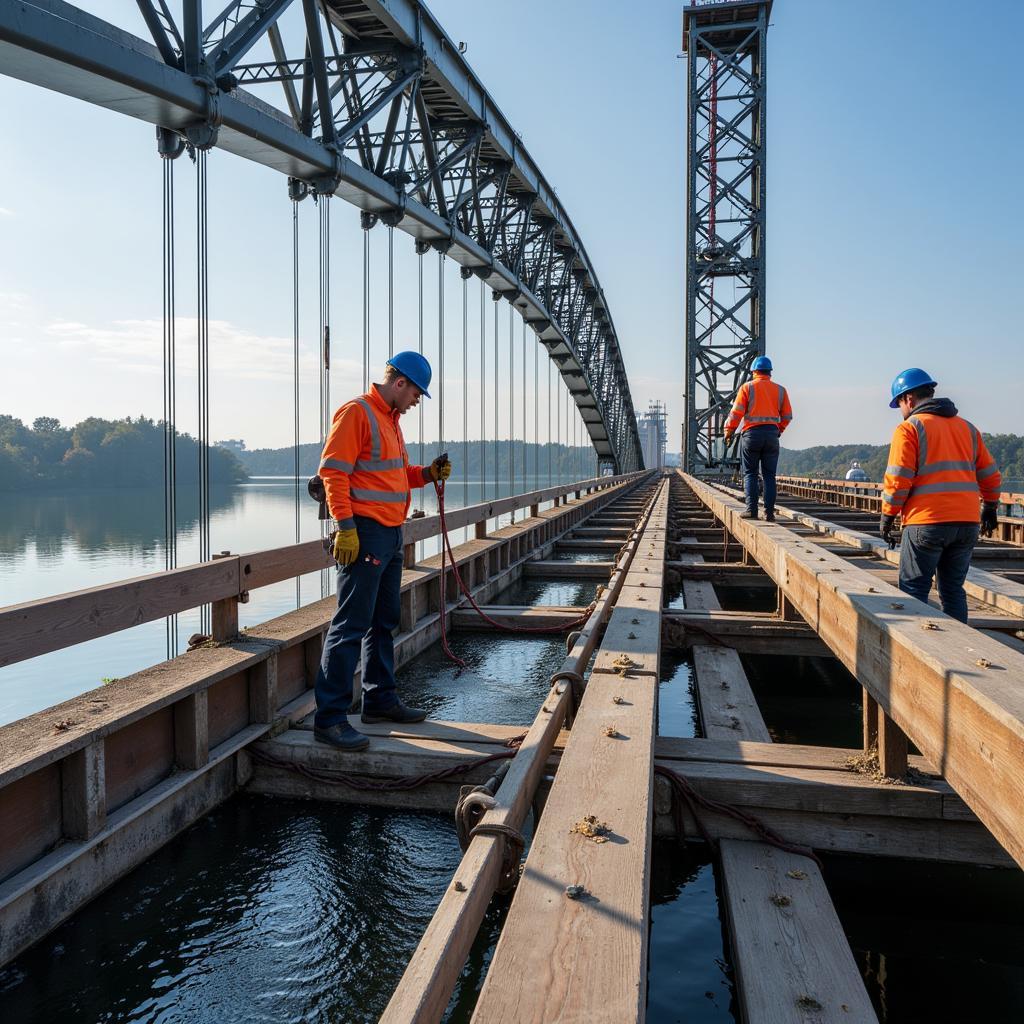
381 109
725 267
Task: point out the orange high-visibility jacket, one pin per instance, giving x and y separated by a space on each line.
365 466
758 402
938 469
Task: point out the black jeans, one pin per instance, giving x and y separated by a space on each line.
760 452
942 549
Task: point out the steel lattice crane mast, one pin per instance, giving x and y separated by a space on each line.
724 42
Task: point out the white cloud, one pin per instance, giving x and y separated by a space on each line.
6 212
234 351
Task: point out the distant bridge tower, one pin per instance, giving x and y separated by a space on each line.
653 427
724 41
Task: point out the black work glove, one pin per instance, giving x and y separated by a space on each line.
989 519
885 525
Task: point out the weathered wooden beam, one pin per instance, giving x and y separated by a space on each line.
953 690
569 570
525 616
744 632
606 772
773 902
429 979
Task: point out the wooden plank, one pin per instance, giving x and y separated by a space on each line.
569 570
30 820
84 792
728 708
779 755
927 839
609 776
52 623
529 616
793 961
954 691
426 986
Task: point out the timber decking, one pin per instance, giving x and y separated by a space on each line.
780 952
553 958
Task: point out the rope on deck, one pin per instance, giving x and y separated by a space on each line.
685 793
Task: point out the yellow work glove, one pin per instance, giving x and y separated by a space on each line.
346 546
728 438
440 469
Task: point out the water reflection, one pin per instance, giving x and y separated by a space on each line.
264 910
57 525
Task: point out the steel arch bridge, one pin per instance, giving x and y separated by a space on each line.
382 110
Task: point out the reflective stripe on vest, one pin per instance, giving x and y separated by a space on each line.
345 467
371 418
926 468
363 494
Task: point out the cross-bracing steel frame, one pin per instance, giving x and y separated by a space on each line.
377 106
725 269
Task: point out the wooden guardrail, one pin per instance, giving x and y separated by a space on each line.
865 496
53 623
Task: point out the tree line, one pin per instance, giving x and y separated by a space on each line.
832 461
101 453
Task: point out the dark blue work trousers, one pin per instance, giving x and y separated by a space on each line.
760 455
942 549
368 612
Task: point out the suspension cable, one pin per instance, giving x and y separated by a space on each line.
536 413
295 383
203 354
440 351
419 267
366 310
169 396
511 410
324 356
464 458
550 367
483 390
525 487
391 291
497 375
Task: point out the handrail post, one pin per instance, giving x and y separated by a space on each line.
224 613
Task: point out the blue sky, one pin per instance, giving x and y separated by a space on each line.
893 239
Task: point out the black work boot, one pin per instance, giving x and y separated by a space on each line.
769 515
342 737
396 713
749 514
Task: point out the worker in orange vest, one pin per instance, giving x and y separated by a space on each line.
938 475
766 412
367 478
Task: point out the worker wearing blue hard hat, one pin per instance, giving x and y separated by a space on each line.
366 480
942 482
765 410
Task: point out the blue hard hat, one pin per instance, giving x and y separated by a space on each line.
413 366
763 364
907 381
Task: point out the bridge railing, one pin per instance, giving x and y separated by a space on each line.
53 623
865 495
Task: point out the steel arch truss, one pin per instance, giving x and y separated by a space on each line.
725 46
369 100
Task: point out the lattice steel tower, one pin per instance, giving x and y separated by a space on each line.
725 46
